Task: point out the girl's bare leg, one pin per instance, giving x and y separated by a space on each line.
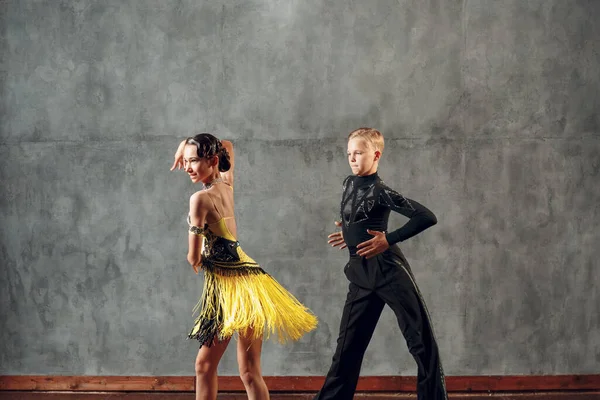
248 355
207 361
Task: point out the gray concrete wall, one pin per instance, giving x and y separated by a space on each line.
489 108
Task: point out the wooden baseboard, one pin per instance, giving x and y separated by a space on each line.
297 384
525 387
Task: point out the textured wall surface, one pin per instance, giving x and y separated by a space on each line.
491 115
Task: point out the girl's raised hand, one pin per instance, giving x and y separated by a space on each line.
178 163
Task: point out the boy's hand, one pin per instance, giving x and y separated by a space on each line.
374 246
178 163
336 238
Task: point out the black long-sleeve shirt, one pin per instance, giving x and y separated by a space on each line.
366 204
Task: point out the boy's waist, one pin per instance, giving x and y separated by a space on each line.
356 233
352 250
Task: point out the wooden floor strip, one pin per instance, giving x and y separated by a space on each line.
393 384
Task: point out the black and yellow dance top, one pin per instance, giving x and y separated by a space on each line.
239 296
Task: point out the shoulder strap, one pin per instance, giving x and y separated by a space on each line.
215 206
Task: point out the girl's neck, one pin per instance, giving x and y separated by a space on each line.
211 180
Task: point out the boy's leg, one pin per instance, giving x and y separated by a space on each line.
361 313
404 298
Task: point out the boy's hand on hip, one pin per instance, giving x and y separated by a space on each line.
374 246
337 238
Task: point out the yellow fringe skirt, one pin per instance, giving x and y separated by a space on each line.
250 302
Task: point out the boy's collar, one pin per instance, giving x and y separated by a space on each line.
367 179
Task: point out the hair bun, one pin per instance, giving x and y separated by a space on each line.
224 160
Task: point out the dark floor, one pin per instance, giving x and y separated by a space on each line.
14 395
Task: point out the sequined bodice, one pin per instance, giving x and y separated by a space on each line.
221 249
366 204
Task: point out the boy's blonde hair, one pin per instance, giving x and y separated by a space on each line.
372 136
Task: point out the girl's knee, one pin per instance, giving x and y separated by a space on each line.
250 376
250 371
249 362
204 368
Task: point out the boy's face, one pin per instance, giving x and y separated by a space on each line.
363 159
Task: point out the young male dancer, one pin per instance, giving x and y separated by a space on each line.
379 274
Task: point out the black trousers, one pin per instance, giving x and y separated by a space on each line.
384 279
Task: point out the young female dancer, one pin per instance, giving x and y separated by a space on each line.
238 295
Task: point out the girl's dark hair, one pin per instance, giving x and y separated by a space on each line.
209 146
